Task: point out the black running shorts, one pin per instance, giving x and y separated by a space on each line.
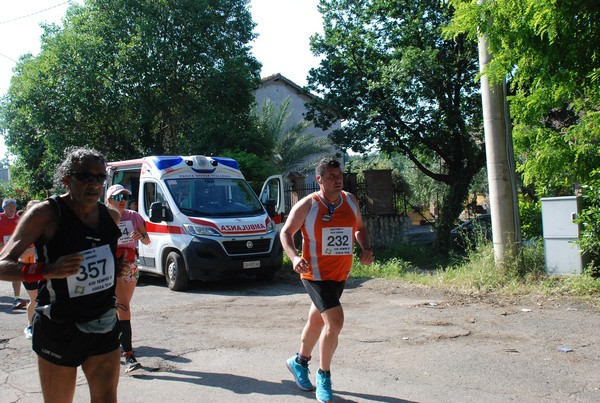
324 294
30 286
62 343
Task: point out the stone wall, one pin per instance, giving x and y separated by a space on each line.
379 191
387 229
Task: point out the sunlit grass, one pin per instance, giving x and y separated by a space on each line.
475 272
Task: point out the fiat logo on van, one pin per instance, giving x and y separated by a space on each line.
249 245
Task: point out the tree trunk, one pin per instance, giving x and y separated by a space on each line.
452 205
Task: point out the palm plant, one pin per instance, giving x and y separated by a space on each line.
296 148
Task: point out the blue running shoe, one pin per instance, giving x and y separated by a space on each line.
28 332
324 393
300 373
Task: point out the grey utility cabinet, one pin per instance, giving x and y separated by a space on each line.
561 251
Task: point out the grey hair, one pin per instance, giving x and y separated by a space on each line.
74 157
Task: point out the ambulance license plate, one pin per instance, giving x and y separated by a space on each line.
252 265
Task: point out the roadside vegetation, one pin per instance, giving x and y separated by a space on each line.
474 272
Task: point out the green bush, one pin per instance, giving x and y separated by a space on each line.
530 212
590 222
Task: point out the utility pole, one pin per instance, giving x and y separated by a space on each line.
500 162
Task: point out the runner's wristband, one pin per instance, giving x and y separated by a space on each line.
33 272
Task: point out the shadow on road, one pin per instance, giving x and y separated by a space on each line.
6 306
243 385
241 286
359 397
162 353
238 286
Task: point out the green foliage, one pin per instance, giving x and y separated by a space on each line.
392 268
398 164
473 274
295 148
549 52
590 224
134 78
582 286
21 196
401 261
403 89
476 273
530 212
556 159
255 168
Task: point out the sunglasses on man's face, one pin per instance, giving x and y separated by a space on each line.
120 197
88 177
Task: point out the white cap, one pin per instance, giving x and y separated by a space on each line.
116 189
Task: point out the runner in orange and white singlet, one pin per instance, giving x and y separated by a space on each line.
330 221
328 243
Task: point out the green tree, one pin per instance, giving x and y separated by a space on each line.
590 232
254 167
402 88
133 78
294 147
548 51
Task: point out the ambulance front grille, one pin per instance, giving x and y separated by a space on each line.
247 246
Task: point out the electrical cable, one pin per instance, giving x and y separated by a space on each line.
34 13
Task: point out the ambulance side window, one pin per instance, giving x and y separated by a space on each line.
153 193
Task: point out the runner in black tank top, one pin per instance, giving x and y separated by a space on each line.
75 322
73 236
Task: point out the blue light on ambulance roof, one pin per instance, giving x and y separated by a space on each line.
167 162
227 162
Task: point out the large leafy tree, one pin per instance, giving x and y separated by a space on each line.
549 52
400 86
135 77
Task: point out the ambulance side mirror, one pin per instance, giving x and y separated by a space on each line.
270 207
159 213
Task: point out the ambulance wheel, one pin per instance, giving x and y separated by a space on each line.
175 274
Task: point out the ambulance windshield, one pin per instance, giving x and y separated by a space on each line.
215 197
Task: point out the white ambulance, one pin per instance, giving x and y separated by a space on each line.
204 220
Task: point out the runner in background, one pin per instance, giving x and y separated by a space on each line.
133 230
8 222
30 287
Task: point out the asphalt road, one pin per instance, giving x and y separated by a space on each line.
228 341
